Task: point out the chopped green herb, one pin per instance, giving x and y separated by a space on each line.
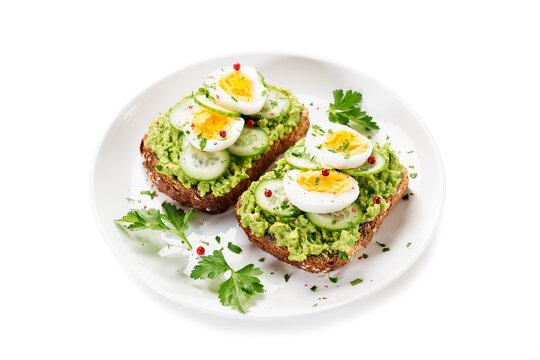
202 143
334 280
261 259
317 181
381 245
343 255
159 167
310 104
313 288
218 239
152 194
411 166
410 152
385 249
133 200
409 244
405 197
413 175
356 282
205 243
234 248
315 304
365 256
287 277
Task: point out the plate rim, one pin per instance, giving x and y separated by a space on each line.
311 311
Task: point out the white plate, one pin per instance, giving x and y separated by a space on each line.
118 174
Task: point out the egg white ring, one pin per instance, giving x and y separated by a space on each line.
316 202
216 144
315 138
222 98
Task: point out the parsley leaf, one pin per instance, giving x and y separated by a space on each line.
172 219
334 280
235 291
346 108
343 255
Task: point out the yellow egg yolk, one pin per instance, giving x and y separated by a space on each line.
209 124
345 142
237 85
335 183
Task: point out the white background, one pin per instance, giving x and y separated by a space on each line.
469 68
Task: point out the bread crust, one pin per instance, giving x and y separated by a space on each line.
211 203
323 263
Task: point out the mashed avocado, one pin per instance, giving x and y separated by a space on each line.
164 140
300 236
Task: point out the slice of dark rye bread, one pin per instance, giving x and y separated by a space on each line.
323 263
211 203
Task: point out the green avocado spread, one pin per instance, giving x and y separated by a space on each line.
300 236
164 141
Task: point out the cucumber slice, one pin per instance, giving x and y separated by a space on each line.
203 165
344 219
381 162
277 203
277 104
252 141
184 142
299 158
182 112
209 104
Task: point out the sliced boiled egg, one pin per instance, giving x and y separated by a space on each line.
311 191
210 131
240 90
337 146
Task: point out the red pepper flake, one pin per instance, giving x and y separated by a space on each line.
305 285
144 207
317 108
192 125
353 210
217 96
190 107
324 298
236 66
272 114
157 122
166 167
155 195
326 286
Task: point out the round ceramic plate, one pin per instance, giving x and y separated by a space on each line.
118 179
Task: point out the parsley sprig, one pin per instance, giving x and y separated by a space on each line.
346 107
172 219
238 289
